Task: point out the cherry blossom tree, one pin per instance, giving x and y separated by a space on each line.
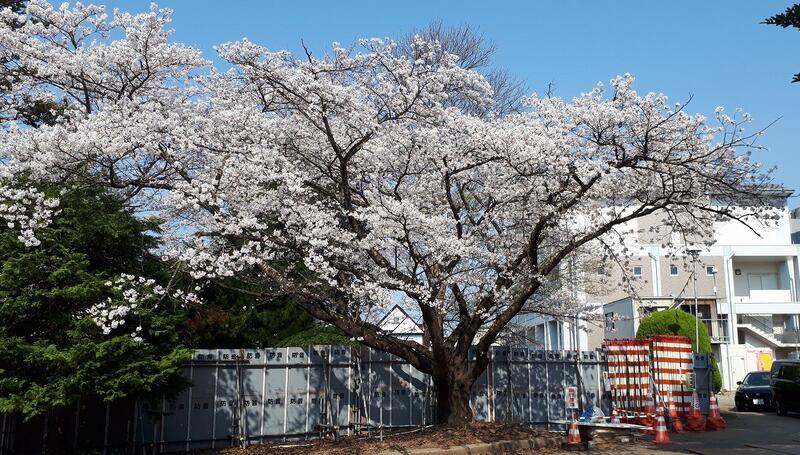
349 181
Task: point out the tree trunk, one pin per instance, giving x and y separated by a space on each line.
453 384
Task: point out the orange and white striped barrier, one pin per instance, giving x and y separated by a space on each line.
672 360
629 372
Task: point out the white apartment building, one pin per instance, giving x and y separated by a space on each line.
746 294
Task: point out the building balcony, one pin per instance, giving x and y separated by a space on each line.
763 308
717 330
765 296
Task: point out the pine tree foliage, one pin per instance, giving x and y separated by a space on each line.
786 19
51 350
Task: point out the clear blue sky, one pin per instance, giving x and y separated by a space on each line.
714 50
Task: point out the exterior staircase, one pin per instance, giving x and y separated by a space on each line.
762 327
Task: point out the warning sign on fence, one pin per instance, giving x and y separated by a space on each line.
690 380
572 397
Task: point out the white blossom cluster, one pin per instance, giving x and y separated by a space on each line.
351 181
26 209
132 295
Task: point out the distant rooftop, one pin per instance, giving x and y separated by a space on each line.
777 190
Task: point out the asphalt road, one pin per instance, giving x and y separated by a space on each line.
748 433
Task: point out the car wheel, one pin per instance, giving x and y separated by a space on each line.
740 407
779 409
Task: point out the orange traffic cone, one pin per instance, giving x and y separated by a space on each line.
573 436
614 416
662 436
695 420
715 421
677 426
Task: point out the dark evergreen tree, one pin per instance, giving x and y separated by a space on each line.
51 350
789 18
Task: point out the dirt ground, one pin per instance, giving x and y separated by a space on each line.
423 438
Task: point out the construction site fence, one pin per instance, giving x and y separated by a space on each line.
248 396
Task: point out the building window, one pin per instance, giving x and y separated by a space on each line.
637 270
610 322
711 270
673 270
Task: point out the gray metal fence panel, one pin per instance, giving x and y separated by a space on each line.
226 399
590 379
274 394
340 394
501 384
202 405
520 385
176 420
480 397
540 395
379 386
418 391
556 386
401 396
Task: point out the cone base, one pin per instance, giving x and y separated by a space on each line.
575 447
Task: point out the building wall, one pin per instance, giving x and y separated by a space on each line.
735 233
624 321
652 229
707 285
595 334
600 290
751 340
769 250
659 282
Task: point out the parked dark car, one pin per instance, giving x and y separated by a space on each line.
753 391
785 385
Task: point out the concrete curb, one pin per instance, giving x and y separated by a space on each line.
486 448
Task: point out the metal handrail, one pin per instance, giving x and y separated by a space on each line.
759 323
717 329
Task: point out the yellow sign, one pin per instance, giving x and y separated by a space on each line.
764 361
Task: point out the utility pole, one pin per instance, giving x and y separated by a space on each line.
695 251
575 333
